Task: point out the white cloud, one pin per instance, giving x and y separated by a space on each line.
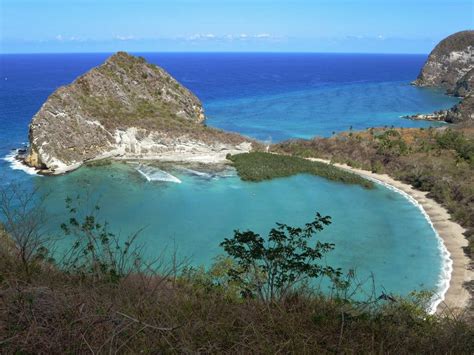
62 38
227 37
124 38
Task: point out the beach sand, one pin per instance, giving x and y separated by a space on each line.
456 297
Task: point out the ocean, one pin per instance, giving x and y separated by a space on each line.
271 97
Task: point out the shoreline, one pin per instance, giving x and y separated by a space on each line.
452 297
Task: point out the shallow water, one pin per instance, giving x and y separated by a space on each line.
374 230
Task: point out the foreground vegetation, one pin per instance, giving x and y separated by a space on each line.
104 297
59 313
259 166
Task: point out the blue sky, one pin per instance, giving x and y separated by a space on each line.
381 26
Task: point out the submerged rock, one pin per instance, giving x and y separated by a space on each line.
125 108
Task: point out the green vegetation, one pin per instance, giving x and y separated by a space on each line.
96 252
259 166
272 269
100 307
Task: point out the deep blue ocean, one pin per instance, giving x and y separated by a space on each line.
271 97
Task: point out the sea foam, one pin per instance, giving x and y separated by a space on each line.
154 174
16 164
447 262
200 174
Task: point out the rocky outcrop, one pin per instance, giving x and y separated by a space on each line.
451 66
449 61
125 108
465 85
463 112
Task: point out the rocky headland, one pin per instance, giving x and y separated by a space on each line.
125 108
450 66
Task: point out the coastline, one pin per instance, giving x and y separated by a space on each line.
452 297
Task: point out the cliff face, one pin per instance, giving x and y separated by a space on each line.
451 66
465 85
127 108
449 61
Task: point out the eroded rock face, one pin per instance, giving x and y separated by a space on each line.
449 62
463 111
465 85
125 107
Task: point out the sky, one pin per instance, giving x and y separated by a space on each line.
363 26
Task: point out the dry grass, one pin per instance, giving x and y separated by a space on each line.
58 313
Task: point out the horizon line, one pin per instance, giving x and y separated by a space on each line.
212 52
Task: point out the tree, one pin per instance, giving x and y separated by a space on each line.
272 268
95 250
24 221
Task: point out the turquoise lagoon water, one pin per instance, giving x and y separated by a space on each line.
270 97
375 231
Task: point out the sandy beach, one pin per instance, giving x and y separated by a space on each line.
456 297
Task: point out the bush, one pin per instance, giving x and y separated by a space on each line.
271 269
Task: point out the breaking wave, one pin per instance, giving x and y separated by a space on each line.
16 164
151 173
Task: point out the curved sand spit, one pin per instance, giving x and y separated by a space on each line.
453 296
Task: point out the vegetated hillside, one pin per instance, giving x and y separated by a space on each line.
124 106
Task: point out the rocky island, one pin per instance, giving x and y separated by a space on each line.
125 108
450 66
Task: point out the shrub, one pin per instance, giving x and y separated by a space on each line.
272 268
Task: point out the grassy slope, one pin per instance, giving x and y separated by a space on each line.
259 166
52 312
